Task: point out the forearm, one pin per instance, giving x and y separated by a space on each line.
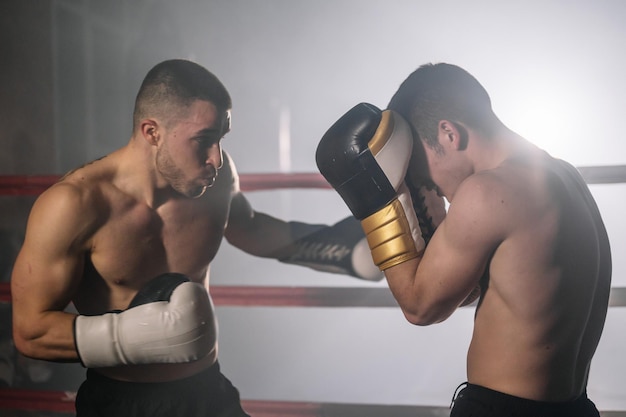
423 298
338 248
46 336
261 235
418 301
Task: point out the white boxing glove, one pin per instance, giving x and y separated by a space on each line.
179 329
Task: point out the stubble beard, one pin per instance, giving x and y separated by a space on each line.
175 177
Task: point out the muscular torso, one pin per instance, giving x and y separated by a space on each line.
540 319
133 242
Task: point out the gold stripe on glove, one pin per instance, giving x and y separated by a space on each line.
383 133
389 236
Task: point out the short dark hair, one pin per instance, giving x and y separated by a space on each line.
436 92
175 84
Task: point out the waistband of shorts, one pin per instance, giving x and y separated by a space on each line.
500 398
209 374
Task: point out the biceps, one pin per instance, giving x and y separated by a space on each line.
44 277
240 219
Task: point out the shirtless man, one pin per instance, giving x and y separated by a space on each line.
154 208
521 226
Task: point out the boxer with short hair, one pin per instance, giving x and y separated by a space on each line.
128 239
521 226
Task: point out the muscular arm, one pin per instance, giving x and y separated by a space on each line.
256 233
46 274
430 288
340 248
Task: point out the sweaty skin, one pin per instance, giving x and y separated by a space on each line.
528 221
94 238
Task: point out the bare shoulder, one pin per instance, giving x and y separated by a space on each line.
484 196
76 203
484 189
516 185
85 184
497 203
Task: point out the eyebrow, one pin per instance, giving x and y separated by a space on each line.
207 131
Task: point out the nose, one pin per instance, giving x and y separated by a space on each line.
214 156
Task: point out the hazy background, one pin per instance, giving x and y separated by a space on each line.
70 69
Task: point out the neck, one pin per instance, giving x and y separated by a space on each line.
138 174
491 152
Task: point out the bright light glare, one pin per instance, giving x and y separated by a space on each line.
546 111
284 140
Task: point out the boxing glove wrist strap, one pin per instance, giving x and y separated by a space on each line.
391 235
94 351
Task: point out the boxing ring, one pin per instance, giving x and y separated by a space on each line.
28 402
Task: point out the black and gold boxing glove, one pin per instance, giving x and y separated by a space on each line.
365 157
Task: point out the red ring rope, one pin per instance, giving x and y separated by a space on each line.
36 184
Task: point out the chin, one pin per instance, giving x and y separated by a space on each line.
192 191
196 192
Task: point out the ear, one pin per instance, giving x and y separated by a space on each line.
150 131
453 135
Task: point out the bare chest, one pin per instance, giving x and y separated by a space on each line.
137 243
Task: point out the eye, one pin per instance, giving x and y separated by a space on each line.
207 141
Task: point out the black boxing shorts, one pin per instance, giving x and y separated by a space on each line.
474 400
207 394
